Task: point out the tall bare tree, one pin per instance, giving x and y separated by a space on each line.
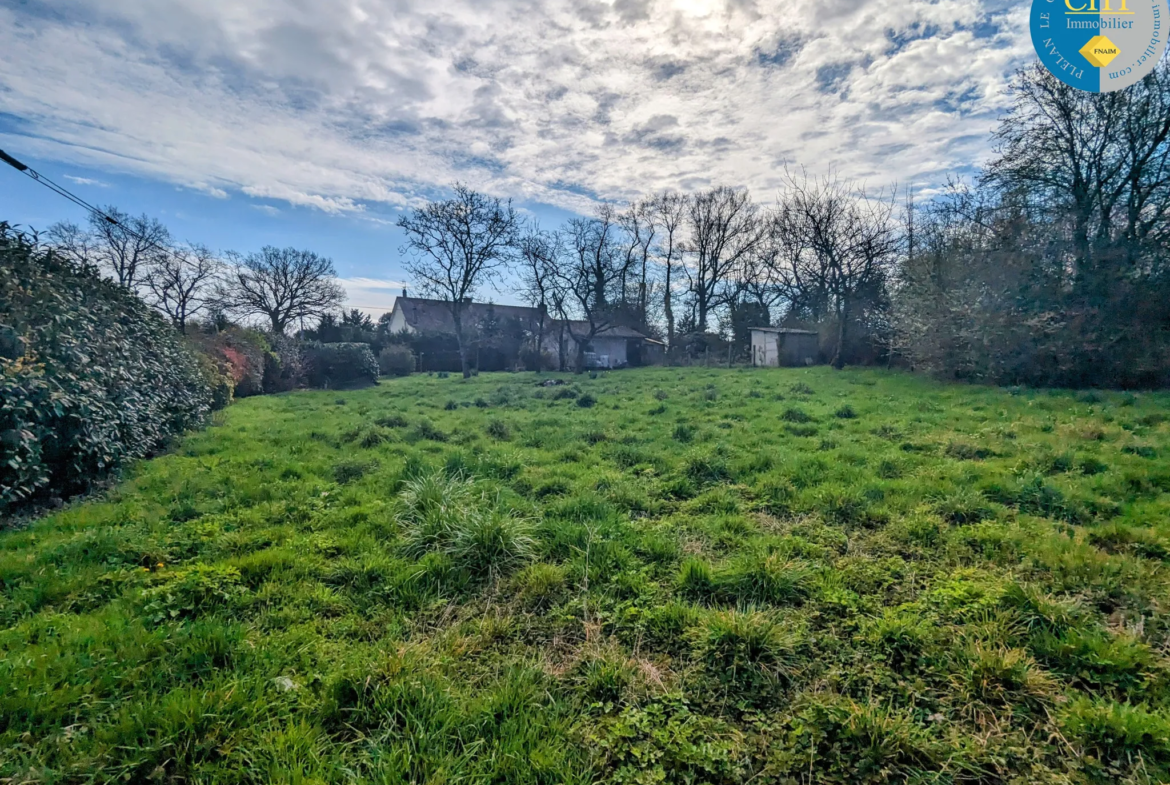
182 283
456 246
639 221
540 252
283 285
125 246
671 209
724 228
591 275
72 241
130 247
842 245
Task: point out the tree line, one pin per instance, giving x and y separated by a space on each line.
188 281
1050 267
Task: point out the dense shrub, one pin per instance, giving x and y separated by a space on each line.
396 360
90 377
239 353
340 364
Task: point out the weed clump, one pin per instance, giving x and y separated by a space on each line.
704 469
428 431
968 452
348 471
498 429
846 412
745 650
794 415
482 536
963 507
586 401
391 421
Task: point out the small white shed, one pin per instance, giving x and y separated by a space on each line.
775 346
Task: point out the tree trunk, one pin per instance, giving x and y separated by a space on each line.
561 348
464 362
838 352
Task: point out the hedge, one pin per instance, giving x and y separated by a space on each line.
90 376
396 360
340 364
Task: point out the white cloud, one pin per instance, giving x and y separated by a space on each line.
86 181
372 295
340 103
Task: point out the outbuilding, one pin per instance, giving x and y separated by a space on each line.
774 346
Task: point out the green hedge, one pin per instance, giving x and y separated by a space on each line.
340 364
90 376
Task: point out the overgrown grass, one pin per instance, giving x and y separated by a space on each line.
659 575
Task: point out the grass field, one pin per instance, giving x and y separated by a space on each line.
658 575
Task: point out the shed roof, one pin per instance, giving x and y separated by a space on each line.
784 330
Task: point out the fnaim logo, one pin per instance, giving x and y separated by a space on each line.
1099 45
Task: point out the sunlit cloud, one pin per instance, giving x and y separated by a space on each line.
344 106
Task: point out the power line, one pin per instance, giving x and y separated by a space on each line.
61 191
77 200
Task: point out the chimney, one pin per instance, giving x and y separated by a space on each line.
404 291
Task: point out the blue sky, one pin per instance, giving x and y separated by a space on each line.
315 122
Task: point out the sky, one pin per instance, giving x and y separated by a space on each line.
315 123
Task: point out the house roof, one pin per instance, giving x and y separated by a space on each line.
581 327
434 316
784 330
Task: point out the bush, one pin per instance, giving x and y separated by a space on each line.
241 354
396 361
331 365
90 377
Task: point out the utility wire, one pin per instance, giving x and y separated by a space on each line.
52 186
77 200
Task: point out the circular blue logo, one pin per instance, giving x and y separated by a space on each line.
1099 45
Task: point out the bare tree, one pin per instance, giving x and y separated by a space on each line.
757 279
456 246
724 228
640 224
182 282
72 242
129 245
283 285
839 244
590 275
540 253
123 245
671 209
1097 163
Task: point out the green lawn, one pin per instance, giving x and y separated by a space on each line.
656 575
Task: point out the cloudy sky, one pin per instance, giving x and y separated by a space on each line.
315 122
